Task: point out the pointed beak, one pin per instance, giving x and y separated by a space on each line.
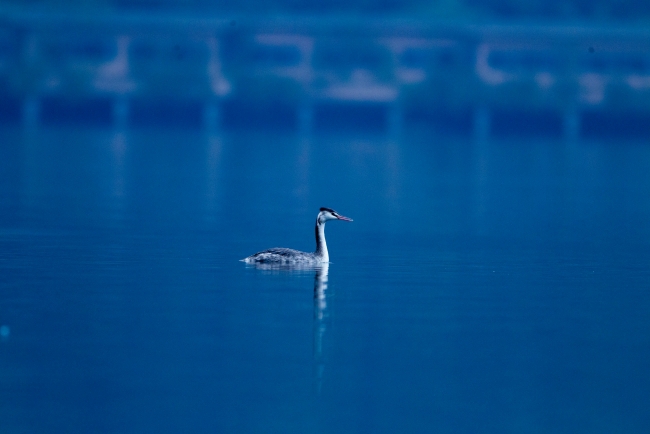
344 218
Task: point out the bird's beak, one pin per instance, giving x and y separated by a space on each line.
344 218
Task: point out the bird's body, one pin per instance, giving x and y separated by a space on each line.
281 255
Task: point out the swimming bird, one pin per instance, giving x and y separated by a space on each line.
281 255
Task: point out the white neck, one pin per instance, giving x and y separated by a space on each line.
321 244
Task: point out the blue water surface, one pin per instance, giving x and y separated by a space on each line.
498 286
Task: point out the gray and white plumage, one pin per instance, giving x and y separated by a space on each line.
281 255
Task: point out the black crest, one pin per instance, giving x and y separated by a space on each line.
328 209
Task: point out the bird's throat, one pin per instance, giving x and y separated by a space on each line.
321 244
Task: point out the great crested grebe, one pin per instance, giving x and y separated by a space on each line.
281 255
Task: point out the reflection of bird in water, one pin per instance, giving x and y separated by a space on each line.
281 255
320 306
320 313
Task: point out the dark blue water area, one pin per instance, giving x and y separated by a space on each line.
497 287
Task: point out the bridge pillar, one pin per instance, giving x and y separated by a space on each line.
306 117
212 115
121 112
395 119
482 123
571 125
31 112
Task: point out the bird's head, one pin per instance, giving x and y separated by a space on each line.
329 214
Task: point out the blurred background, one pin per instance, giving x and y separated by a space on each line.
558 68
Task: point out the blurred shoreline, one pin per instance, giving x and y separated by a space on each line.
306 73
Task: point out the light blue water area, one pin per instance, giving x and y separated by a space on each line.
495 287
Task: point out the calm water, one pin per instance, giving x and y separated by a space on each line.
497 287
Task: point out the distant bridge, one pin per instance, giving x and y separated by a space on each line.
307 74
